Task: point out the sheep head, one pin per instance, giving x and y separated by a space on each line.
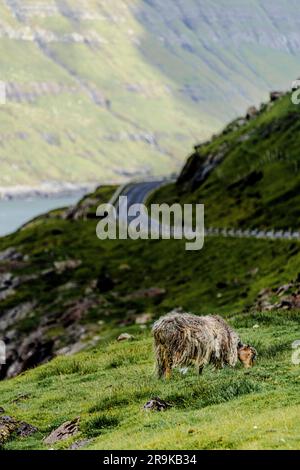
247 355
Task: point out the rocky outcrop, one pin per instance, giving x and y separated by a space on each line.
15 314
25 331
276 95
6 286
69 264
10 426
11 254
285 297
81 211
251 113
32 34
76 310
201 163
157 404
31 92
199 167
29 346
63 432
193 165
25 352
9 282
125 337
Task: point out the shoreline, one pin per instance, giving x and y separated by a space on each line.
45 190
58 189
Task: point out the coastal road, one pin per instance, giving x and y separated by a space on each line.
137 193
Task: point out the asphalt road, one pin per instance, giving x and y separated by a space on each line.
137 194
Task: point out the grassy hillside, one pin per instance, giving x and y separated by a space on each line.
257 180
85 79
108 385
62 291
107 388
76 289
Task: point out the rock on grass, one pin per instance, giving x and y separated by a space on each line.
10 426
64 431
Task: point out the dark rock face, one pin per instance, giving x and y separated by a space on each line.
192 166
25 353
10 426
25 325
199 167
22 351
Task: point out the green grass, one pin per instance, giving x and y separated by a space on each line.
257 183
107 388
108 385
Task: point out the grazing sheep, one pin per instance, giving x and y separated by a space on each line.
182 339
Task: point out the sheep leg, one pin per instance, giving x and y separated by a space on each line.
163 365
168 372
168 363
218 366
200 370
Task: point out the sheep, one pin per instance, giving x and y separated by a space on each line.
183 339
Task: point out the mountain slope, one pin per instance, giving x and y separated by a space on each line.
85 81
63 290
248 176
